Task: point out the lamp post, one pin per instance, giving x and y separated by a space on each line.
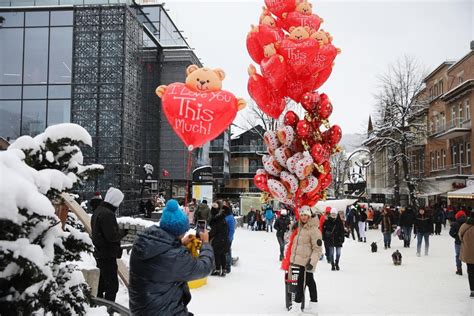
363 162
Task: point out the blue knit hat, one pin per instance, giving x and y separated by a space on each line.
173 220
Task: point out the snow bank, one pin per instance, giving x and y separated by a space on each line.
135 221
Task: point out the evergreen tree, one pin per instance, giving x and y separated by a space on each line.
36 273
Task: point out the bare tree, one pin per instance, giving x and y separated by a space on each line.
399 100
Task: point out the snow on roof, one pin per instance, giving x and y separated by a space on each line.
464 193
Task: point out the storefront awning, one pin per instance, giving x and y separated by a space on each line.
464 193
425 195
340 205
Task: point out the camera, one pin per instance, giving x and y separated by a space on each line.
200 227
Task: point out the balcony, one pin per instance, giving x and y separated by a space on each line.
239 169
452 171
251 149
217 149
456 129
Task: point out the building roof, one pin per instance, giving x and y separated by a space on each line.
471 53
443 64
250 130
458 90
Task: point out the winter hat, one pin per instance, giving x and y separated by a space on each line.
459 214
334 212
114 196
97 195
283 212
305 210
173 220
327 210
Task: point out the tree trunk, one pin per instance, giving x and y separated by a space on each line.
396 186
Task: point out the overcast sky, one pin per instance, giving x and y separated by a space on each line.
371 34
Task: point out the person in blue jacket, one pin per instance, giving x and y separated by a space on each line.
161 266
269 216
229 218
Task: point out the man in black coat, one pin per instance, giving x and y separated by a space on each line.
333 237
282 226
106 237
161 266
407 218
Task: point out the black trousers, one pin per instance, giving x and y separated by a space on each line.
108 281
310 283
470 274
281 241
438 228
356 228
220 260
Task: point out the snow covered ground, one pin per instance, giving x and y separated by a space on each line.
368 283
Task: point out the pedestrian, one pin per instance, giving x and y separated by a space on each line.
333 237
305 253
407 218
230 220
466 235
362 224
438 218
423 229
269 216
386 227
258 217
203 212
352 220
149 207
95 201
460 218
282 225
219 236
251 219
161 265
106 237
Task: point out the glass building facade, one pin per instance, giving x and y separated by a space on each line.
97 64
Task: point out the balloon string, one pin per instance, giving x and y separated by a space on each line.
188 174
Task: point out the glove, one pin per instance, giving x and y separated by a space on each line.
309 267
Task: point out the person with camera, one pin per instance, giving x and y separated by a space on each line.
305 253
219 235
106 237
161 265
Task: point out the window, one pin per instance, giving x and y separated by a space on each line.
453 116
36 55
443 158
460 79
59 111
10 92
468 153
61 18
10 113
438 163
461 154
11 47
34 92
443 121
37 18
460 115
467 110
34 117
60 55
454 155
432 161
13 19
441 88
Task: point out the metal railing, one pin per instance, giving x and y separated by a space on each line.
459 168
248 148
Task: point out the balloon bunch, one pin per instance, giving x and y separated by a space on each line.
294 55
297 170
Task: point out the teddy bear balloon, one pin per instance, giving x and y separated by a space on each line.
199 110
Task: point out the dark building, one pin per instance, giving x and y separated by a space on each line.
97 64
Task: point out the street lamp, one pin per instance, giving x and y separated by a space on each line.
363 162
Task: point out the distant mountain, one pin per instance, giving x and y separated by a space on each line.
351 142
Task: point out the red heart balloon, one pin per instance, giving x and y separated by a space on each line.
291 119
299 54
261 182
327 166
296 86
333 135
322 77
254 47
299 19
324 110
323 58
268 100
303 128
319 153
326 182
278 7
274 70
267 35
198 117
309 100
311 198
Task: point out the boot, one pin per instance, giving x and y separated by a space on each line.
333 266
459 271
216 272
337 265
222 273
472 294
408 244
385 245
388 245
365 239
